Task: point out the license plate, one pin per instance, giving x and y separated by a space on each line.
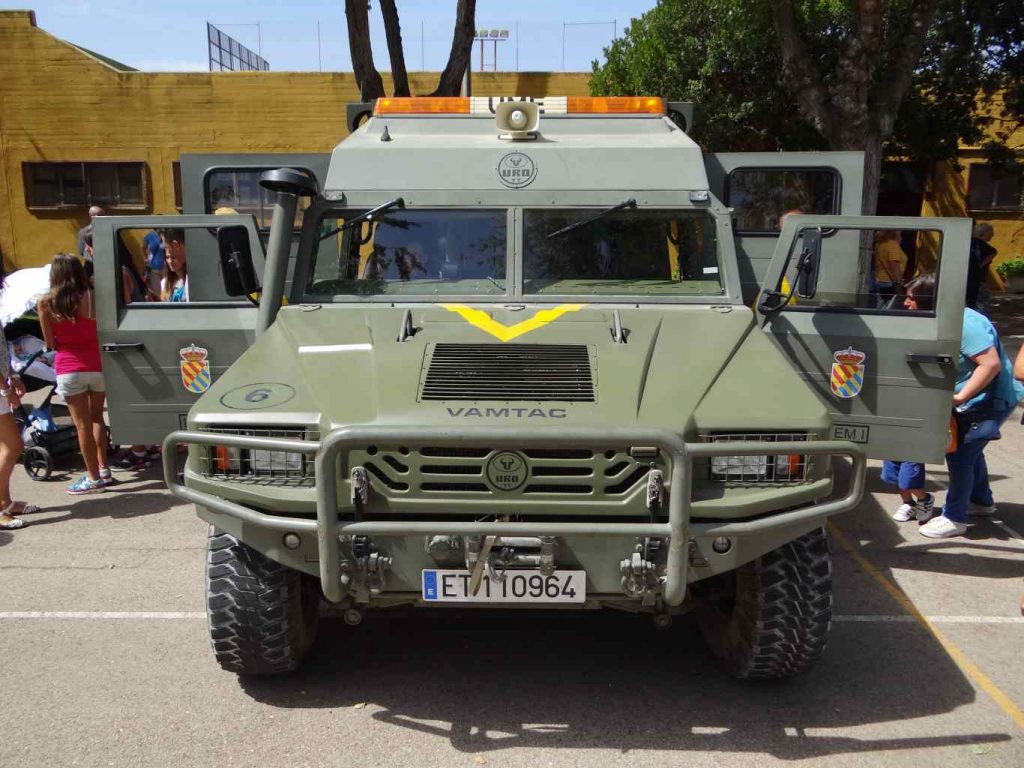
527 586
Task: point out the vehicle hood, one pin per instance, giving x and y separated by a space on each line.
341 365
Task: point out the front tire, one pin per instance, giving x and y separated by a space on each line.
776 621
262 615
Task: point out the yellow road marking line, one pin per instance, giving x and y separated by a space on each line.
959 657
480 319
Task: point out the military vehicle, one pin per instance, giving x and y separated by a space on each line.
532 352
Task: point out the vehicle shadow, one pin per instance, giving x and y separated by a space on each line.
488 681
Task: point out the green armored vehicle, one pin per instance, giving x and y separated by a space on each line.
531 352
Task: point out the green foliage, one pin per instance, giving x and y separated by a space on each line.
720 54
1011 268
724 55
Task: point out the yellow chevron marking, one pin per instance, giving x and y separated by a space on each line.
480 319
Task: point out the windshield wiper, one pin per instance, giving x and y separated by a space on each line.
369 215
630 203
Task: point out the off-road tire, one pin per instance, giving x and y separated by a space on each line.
776 622
262 615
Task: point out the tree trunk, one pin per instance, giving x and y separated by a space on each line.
450 83
394 32
367 77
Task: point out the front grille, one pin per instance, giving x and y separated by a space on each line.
766 469
257 467
538 372
395 473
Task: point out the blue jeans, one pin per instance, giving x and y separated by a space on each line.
968 472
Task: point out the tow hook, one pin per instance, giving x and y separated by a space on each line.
367 568
639 571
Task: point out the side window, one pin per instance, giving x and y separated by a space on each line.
238 190
760 197
54 186
169 266
988 190
869 270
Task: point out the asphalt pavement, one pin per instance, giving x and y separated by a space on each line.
107 659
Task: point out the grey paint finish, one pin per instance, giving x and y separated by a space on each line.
754 251
904 405
464 153
146 396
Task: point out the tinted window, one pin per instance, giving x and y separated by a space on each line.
762 196
76 185
415 252
649 252
239 191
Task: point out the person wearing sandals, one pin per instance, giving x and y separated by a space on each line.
68 320
11 390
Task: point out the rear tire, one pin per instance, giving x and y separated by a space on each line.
262 615
776 623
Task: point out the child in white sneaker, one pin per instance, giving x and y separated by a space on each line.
908 477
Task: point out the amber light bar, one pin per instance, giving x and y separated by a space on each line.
615 105
426 105
550 105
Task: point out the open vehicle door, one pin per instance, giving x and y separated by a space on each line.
885 372
762 187
158 357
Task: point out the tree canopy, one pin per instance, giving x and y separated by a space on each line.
919 76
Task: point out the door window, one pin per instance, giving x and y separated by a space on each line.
167 266
760 197
865 269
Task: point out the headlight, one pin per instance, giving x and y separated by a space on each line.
767 468
232 462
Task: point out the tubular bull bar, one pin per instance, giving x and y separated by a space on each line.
677 531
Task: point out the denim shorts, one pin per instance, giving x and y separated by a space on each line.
71 384
906 475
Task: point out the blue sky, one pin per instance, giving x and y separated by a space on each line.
171 35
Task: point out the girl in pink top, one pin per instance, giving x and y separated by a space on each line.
68 319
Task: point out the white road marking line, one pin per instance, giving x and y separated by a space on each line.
102 615
905 619
178 615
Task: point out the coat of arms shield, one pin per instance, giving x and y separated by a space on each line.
195 369
847 377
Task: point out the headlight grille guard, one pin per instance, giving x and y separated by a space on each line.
677 531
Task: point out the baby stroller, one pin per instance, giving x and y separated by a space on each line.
46 438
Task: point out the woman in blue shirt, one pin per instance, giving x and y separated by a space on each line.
985 395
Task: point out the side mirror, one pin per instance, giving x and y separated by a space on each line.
808 264
236 261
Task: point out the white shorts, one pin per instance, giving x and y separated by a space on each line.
70 384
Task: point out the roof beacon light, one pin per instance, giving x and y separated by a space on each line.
428 105
616 105
481 106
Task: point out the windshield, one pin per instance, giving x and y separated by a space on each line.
409 252
625 252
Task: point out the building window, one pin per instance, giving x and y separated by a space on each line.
77 185
762 196
989 191
176 174
238 190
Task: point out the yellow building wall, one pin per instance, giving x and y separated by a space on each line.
946 195
57 103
